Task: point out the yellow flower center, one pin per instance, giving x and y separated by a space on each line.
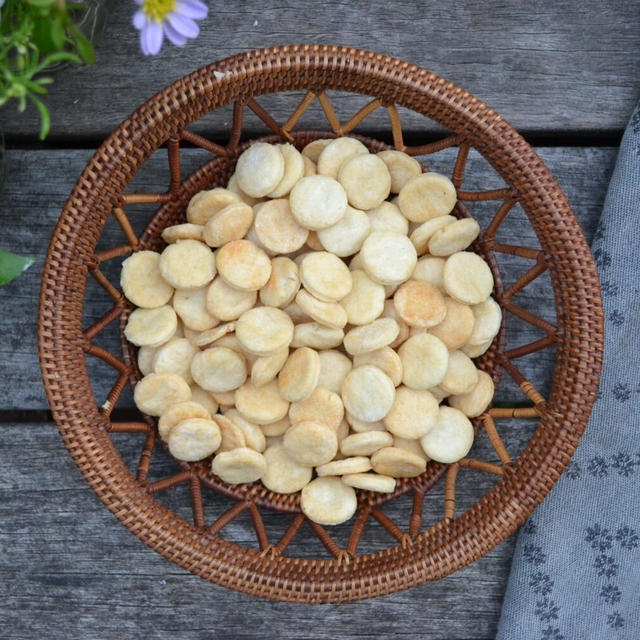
158 10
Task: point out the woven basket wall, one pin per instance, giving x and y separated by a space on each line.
415 552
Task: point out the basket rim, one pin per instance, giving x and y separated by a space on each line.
436 551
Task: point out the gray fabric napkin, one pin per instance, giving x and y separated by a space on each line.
576 568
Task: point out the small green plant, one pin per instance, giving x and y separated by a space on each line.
34 36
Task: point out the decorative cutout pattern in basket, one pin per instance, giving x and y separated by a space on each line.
422 553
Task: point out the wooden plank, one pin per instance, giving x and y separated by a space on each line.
38 183
67 548
562 66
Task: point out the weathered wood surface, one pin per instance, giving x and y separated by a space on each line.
70 570
562 66
38 182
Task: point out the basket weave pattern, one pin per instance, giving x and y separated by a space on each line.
417 554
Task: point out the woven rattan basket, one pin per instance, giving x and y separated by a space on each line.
415 553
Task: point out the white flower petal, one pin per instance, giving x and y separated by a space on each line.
139 19
183 25
192 9
153 36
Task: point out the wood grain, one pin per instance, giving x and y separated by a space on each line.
69 567
562 66
38 183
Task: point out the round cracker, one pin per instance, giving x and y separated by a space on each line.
321 406
365 444
193 439
277 229
397 463
260 169
318 202
325 276
346 236
239 466
316 336
283 283
142 282
296 314
284 474
228 303
156 392
278 428
185 231
235 187
264 331
371 337
265 369
145 359
357 464
151 327
421 235
457 326
231 223
309 167
231 435
334 367
454 237
219 369
204 398
188 264
475 402
427 196
329 314
387 217
190 305
461 375
420 304
361 426
243 265
337 153
366 181
313 241
328 501
386 359
175 356
467 278
253 434
401 167
413 413
370 482
430 270
388 257
476 350
177 413
299 375
311 443
262 405
365 302
211 335
368 393
451 437
205 204
487 320
293 170
315 148
410 444
424 361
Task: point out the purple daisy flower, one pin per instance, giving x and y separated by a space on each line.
175 19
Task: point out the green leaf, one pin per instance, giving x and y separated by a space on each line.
12 265
54 58
57 32
83 45
40 3
45 119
